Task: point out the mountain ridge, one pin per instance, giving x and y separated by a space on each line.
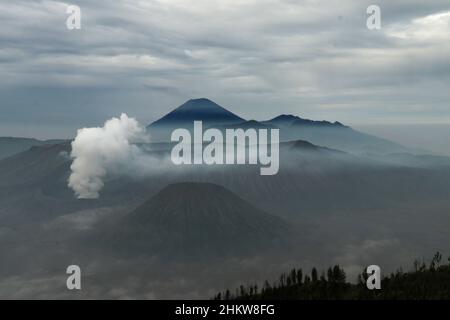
334 135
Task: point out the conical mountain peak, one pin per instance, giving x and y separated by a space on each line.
198 110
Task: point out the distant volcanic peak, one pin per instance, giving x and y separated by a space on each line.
322 123
199 109
295 121
282 120
201 102
285 117
200 105
201 219
205 205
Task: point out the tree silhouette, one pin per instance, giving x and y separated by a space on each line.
423 282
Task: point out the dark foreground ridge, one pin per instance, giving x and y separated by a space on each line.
424 282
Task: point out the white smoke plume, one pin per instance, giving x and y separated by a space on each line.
100 151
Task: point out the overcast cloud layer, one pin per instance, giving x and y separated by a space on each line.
259 58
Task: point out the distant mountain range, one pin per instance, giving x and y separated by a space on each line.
334 135
215 115
291 120
323 133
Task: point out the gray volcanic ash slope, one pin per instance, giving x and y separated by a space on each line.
199 219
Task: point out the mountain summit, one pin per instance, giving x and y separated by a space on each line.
198 109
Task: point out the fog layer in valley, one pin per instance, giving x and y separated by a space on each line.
331 207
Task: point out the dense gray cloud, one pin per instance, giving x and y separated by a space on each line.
257 57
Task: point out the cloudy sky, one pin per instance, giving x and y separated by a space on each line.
259 58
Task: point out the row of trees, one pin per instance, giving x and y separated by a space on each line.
424 281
